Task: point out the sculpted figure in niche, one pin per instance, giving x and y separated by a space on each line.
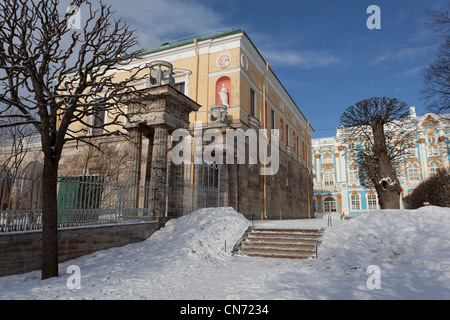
224 95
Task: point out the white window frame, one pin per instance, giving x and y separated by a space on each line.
353 175
372 204
328 177
413 170
432 169
329 206
432 151
327 159
355 202
411 153
431 139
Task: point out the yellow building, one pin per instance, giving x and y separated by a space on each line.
227 69
202 66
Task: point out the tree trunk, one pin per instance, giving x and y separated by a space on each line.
389 199
49 219
386 181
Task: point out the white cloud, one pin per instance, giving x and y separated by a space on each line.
157 21
405 53
301 59
411 72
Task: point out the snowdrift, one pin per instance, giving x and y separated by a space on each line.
187 260
204 234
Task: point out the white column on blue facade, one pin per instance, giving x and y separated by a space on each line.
423 155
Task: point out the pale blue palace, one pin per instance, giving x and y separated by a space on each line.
337 187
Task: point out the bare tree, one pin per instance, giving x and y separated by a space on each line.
436 91
15 143
382 126
55 78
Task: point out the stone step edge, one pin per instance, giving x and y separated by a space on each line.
247 244
313 231
281 240
277 251
277 256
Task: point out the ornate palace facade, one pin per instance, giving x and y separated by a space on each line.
337 187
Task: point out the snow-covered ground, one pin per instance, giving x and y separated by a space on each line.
389 254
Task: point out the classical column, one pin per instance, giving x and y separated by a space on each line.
148 197
133 168
177 183
158 178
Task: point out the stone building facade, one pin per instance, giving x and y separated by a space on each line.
221 81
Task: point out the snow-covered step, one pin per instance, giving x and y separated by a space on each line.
279 243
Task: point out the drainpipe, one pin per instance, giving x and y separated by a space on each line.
196 74
309 173
267 138
195 121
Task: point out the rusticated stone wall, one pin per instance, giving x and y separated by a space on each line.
20 252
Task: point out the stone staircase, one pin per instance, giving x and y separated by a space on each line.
279 243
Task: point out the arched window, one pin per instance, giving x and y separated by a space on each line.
329 205
328 177
431 139
434 167
413 171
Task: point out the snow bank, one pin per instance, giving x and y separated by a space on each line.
187 260
411 248
204 234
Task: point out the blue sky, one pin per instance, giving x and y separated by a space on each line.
321 50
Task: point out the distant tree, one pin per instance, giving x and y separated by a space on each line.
434 191
436 91
53 76
381 125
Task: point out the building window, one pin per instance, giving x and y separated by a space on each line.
327 160
329 205
431 139
432 151
98 122
353 175
180 87
413 172
372 202
328 177
355 202
282 129
411 153
432 148
287 135
272 119
252 103
434 167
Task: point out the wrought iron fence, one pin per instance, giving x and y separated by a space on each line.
201 186
97 199
81 200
